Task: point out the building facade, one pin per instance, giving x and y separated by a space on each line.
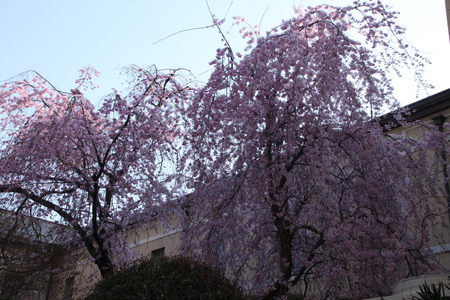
72 274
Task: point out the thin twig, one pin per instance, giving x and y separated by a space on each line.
184 30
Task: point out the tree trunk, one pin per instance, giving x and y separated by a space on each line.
104 264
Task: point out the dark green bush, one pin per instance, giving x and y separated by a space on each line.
167 278
432 292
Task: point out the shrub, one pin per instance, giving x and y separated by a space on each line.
166 278
432 292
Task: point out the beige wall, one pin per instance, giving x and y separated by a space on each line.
143 240
154 237
439 245
439 235
408 288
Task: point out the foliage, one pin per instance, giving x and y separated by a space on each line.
100 170
167 278
295 185
432 292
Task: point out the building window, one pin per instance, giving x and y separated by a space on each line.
68 288
158 254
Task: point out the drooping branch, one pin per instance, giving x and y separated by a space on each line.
55 208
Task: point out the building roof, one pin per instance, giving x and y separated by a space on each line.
33 228
426 107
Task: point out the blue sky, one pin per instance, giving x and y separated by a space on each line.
58 37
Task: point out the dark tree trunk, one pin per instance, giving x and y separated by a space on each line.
105 265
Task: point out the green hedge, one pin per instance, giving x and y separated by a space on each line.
432 292
167 278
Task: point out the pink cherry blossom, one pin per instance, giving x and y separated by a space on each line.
296 187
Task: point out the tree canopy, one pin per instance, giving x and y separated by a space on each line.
100 170
297 186
294 186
